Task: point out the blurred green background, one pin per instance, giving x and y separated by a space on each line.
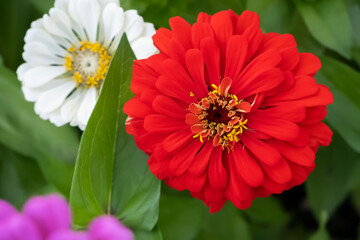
37 157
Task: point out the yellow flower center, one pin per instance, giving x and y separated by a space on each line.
220 116
88 64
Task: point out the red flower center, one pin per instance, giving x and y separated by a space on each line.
220 116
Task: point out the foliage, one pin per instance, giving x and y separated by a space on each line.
111 174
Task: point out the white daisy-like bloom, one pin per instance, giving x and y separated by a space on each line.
67 54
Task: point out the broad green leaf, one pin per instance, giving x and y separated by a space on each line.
225 224
24 132
329 23
267 211
155 234
190 215
336 174
16 17
344 84
20 177
322 233
275 15
111 174
43 6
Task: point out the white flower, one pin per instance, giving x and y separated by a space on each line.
67 54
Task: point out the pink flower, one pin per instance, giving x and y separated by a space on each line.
49 218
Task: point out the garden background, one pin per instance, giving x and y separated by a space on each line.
36 157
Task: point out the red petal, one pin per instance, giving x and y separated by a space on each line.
254 37
245 107
263 151
177 140
225 86
304 86
303 156
260 64
262 82
176 51
211 194
286 46
322 97
174 89
248 169
320 133
196 183
280 173
277 128
159 123
223 29
309 64
200 31
216 173
168 107
216 206
177 182
196 67
235 56
286 111
137 109
162 38
314 115
182 160
211 55
203 18
247 19
181 31
201 160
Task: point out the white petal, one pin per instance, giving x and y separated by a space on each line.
38 76
87 106
55 118
22 69
62 4
53 98
143 47
33 94
58 23
104 2
86 13
149 30
71 106
113 21
37 53
134 24
39 35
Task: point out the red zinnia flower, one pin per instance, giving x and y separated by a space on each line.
228 112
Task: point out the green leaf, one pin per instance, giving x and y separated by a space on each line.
344 84
275 15
329 23
190 215
16 16
43 6
24 132
20 177
322 233
111 173
336 174
225 224
267 211
155 234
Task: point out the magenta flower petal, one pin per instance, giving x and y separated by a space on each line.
6 210
68 235
109 228
51 213
19 227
